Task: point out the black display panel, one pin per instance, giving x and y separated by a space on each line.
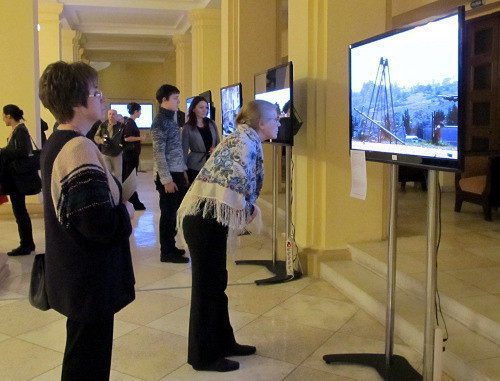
188 104
146 118
276 86
407 97
231 100
211 109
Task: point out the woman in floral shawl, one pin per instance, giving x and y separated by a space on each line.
219 203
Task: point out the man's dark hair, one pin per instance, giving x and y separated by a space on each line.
133 107
165 91
64 86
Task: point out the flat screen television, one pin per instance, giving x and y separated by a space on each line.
407 96
231 100
275 85
211 109
146 118
188 104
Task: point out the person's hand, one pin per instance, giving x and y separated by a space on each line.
130 209
211 150
142 138
170 187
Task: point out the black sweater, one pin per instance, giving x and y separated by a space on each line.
89 274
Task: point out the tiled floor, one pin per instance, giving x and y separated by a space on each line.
292 324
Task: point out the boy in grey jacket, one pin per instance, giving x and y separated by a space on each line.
169 171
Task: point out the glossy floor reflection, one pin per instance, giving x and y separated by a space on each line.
292 324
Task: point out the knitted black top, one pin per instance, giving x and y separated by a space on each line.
89 274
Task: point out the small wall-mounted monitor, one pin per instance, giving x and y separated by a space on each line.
276 86
407 97
146 118
188 104
211 109
231 100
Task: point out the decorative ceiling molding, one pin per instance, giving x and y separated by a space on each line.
128 30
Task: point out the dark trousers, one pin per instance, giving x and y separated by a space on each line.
192 175
22 218
169 203
88 351
130 164
210 331
134 200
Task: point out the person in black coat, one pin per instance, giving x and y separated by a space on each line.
132 150
88 264
19 147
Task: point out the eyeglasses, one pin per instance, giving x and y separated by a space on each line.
98 94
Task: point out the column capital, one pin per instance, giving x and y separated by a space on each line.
49 11
205 17
181 40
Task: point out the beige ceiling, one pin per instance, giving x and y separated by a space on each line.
129 30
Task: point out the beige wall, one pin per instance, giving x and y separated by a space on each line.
402 6
19 70
49 44
19 63
408 11
249 45
123 80
325 215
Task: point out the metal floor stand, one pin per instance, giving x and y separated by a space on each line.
389 366
283 270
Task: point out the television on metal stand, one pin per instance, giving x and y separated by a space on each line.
275 85
407 108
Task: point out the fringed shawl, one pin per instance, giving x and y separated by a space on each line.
229 183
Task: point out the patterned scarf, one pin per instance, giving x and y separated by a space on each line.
229 183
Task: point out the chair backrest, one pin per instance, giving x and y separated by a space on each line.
476 166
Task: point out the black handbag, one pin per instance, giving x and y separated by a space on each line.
38 293
24 173
27 164
28 183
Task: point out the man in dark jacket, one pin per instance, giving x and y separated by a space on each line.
110 136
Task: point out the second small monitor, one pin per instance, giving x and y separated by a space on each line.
275 85
231 102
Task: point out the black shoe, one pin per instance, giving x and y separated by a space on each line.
139 206
241 350
22 250
178 252
220 365
174 258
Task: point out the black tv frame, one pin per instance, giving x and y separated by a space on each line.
240 86
188 103
424 162
211 108
286 130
